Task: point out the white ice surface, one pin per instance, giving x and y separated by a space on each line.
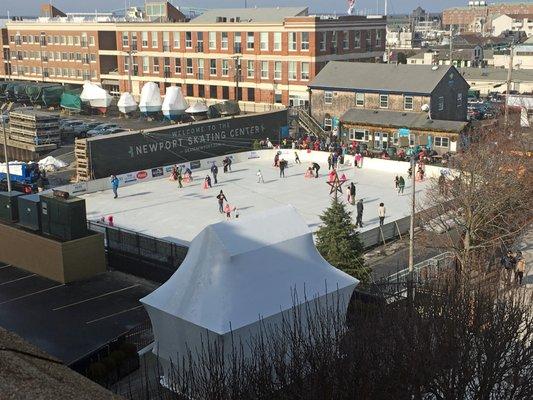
159 208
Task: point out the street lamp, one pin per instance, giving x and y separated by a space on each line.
236 59
130 66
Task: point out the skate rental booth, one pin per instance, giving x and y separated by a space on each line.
239 277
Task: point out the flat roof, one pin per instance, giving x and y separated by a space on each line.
246 15
496 74
159 208
69 321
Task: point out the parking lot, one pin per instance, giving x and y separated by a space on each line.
69 321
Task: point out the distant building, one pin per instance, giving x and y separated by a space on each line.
513 23
260 56
492 80
478 15
460 58
522 57
387 91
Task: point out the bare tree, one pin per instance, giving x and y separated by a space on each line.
458 340
487 198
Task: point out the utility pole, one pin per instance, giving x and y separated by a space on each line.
237 76
8 176
451 44
130 66
509 80
410 278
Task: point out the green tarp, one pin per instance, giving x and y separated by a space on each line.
70 99
47 94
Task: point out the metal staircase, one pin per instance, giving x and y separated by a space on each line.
309 123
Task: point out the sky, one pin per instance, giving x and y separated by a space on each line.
31 7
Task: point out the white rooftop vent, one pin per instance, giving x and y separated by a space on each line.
435 67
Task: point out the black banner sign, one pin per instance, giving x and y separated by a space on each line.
119 154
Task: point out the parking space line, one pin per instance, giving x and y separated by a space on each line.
112 315
93 298
6 266
18 279
31 294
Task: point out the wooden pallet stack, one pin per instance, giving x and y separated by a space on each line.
82 160
34 127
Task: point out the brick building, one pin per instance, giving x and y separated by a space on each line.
478 17
270 54
406 94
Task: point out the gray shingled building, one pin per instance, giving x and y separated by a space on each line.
380 93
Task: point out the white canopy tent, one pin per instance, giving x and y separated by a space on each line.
238 275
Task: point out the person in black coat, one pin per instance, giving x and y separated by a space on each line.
214 172
352 192
316 167
359 221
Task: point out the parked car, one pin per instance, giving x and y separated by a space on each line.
67 126
102 129
81 130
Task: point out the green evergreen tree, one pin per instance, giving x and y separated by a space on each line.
338 242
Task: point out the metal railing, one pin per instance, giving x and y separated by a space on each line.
309 123
140 255
394 287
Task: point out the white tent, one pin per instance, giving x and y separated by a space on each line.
174 103
96 96
235 274
126 103
150 98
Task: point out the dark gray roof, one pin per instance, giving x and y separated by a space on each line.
399 119
261 15
350 76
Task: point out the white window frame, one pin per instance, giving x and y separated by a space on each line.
292 72
439 142
250 44
405 107
304 44
250 69
189 69
278 72
177 65
328 122
353 131
212 38
146 64
328 97
358 101
188 42
459 100
213 72
144 39
264 71
345 40
125 39
225 68
322 41
292 41
176 39
155 64
224 40
277 41
304 75
383 99
263 41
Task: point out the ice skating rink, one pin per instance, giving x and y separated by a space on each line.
159 208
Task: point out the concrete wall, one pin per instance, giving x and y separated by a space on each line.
59 261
